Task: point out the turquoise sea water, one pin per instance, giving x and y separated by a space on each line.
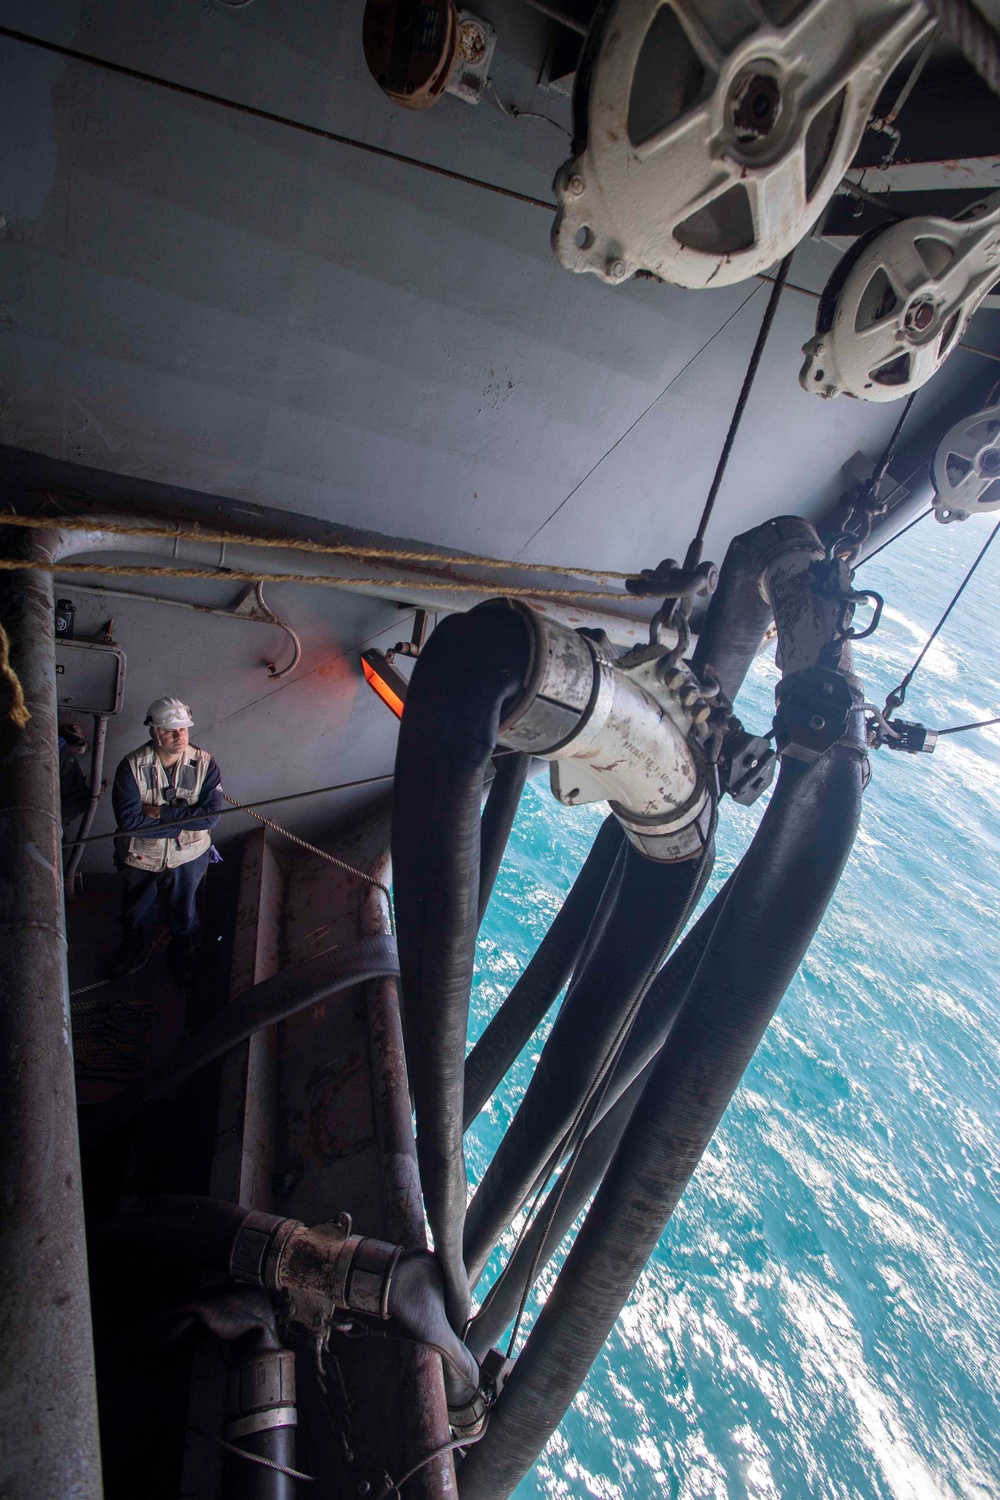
822 1316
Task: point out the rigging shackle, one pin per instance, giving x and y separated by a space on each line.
813 601
633 731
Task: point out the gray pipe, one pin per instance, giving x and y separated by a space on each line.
48 1405
96 790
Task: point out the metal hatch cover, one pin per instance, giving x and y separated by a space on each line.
714 134
90 677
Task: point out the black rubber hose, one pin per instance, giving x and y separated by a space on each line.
653 904
245 1479
272 1000
471 669
199 1231
500 1307
551 965
775 904
655 1016
416 1305
497 820
736 621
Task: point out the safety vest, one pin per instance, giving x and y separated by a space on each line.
151 778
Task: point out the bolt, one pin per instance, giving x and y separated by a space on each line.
817 722
701 714
920 315
618 269
675 679
689 696
576 185
989 462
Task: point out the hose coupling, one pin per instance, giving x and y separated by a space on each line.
468 1421
261 1394
321 1270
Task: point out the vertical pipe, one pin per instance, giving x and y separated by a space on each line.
48 1406
96 778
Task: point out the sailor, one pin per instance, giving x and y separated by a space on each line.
166 797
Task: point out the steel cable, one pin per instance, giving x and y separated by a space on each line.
697 543
898 695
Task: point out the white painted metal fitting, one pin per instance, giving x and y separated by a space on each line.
613 733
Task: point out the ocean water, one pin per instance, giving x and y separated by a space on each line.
822 1315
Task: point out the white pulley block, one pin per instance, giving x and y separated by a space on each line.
899 302
966 468
715 134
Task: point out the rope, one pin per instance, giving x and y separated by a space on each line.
332 858
881 468
868 505
898 696
698 541
393 1486
256 1458
97 985
960 728
18 711
902 532
855 190
324 580
972 34
297 544
225 812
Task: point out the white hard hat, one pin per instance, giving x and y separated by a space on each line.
168 713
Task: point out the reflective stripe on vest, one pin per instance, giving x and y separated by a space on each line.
154 786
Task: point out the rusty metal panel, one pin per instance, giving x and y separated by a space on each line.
243 1162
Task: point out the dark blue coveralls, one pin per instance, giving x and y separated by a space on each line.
178 886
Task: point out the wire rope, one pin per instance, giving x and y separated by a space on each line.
961 728
698 540
333 859
898 695
270 117
901 532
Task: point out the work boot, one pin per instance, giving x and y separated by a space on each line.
133 954
181 961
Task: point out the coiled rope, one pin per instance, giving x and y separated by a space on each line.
18 710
